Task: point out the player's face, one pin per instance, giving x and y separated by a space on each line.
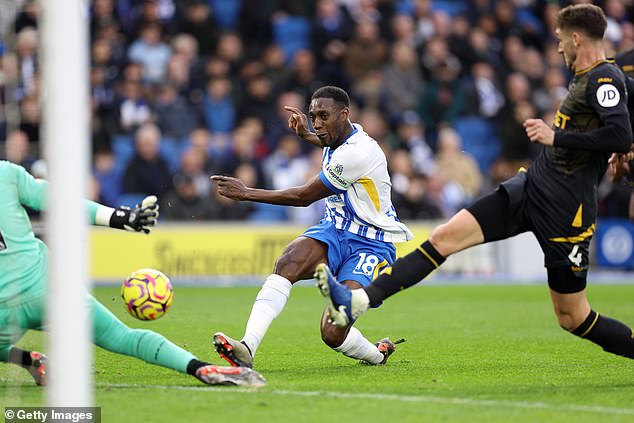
328 119
567 48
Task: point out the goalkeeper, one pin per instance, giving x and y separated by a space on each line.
24 263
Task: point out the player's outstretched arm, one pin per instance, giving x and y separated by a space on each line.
301 196
298 122
140 218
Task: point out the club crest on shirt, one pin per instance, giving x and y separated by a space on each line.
335 176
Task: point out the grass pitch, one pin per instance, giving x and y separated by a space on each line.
473 354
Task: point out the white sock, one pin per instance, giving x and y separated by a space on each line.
267 306
356 346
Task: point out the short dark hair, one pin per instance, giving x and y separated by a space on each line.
337 94
586 18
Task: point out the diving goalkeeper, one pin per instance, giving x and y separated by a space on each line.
23 270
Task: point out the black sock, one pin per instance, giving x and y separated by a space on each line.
194 365
612 335
404 272
20 357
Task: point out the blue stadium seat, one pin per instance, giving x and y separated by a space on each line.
452 7
123 150
478 139
172 151
226 12
268 213
292 33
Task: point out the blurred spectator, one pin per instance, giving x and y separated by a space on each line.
410 136
28 16
133 109
303 76
147 171
17 149
199 23
259 100
28 63
219 109
488 97
459 43
285 167
414 203
366 50
254 24
279 126
400 167
550 92
457 166
238 210
30 117
243 151
423 19
274 65
230 49
174 116
107 177
436 53
153 12
443 98
200 140
184 203
102 95
313 213
102 12
517 150
150 52
192 164
402 80
331 30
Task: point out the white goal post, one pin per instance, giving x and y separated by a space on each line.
66 138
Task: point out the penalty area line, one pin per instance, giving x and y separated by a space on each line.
389 397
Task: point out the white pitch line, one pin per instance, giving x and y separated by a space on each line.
391 397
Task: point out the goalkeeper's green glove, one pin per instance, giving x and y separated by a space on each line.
138 219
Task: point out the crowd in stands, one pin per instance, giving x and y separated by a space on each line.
183 89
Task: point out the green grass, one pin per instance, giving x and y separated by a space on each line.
473 354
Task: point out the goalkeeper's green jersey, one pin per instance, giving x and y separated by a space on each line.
23 257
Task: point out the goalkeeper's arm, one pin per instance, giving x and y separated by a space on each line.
140 218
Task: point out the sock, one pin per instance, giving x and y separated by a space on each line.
112 335
612 335
267 306
356 346
194 365
20 357
405 272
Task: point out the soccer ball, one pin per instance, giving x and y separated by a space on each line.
147 294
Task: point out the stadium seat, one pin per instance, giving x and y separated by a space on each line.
123 150
171 150
226 12
268 213
478 139
454 8
292 33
